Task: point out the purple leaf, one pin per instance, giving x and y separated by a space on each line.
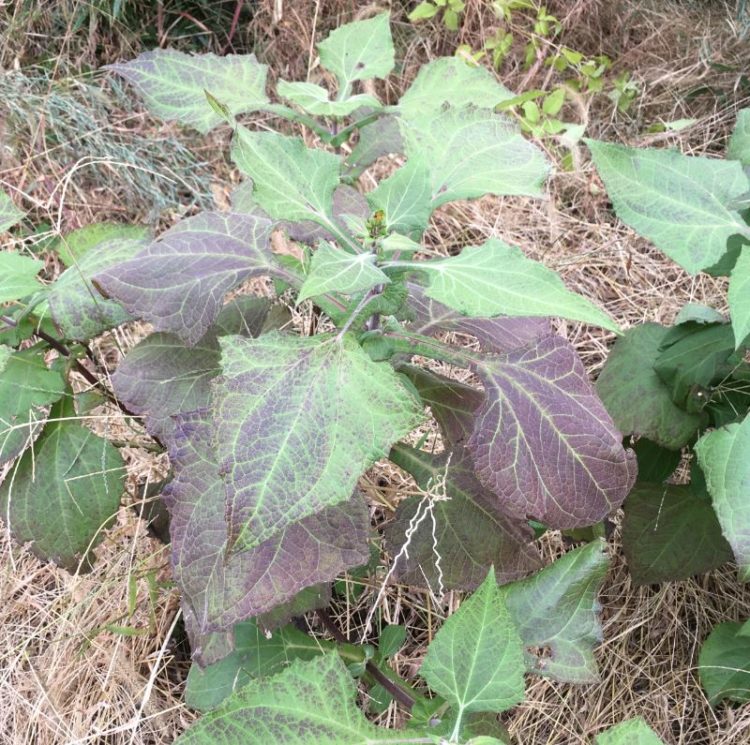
221 589
179 282
453 404
470 534
544 442
500 334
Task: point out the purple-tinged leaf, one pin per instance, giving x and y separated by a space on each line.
462 534
453 404
174 84
161 376
298 420
544 442
179 282
76 307
220 589
500 334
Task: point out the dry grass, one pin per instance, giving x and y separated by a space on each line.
101 658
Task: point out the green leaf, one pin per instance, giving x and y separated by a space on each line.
556 613
724 664
423 12
449 80
698 313
334 270
655 463
255 655
381 137
632 732
78 310
739 144
739 296
554 102
475 660
691 357
669 533
359 51
74 245
724 456
314 99
25 385
405 198
9 213
310 703
298 421
290 180
472 152
173 84
497 279
679 202
636 397
61 496
18 276
392 638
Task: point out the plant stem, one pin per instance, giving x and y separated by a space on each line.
295 116
369 295
341 137
407 342
405 698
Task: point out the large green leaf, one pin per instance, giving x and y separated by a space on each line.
497 279
405 198
298 421
174 84
692 357
475 660
78 310
310 703
290 180
256 655
739 296
472 152
669 533
334 270
25 385
631 732
61 495
739 143
636 397
314 99
9 213
724 664
557 614
724 456
359 51
681 203
18 276
450 80
453 542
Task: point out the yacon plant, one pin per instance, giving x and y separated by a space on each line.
684 390
269 429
